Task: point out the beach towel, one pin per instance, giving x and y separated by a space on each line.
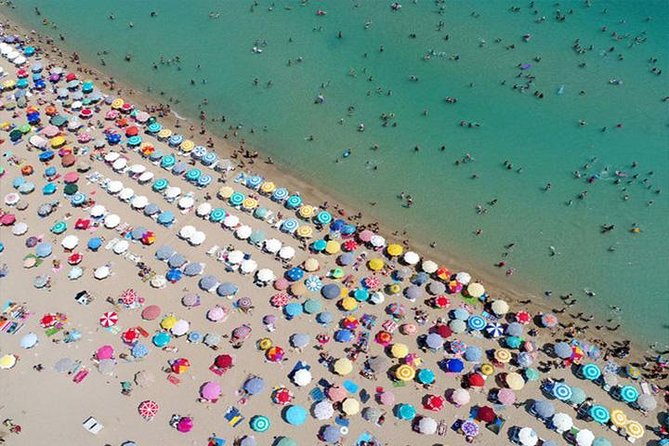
233 416
173 379
350 386
342 421
317 394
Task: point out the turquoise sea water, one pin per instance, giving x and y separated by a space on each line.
541 136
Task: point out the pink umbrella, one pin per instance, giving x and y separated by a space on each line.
105 352
387 398
366 235
128 297
337 393
279 300
7 219
281 284
71 177
216 314
185 424
210 391
151 312
109 319
506 397
372 282
84 137
51 131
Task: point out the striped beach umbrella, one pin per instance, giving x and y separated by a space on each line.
59 227
134 141
629 394
590 371
313 283
618 418
175 140
160 184
600 414
293 201
198 152
561 391
168 161
154 127
324 217
289 225
204 180
280 194
259 423
209 158
237 198
634 429
476 323
193 174
109 319
494 329
254 181
217 215
78 199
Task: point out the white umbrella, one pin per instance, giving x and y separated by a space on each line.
302 377
112 156
287 252
585 437
528 437
411 258
243 232
98 211
121 246
323 410
197 238
500 307
562 422
272 245
29 340
172 192
463 277
187 231
235 257
112 221
180 328
378 241
427 426
203 210
145 177
139 202
429 266
231 221
137 169
126 194
101 272
266 275
377 298
20 228
119 164
186 202
159 281
75 273
248 266
114 187
70 242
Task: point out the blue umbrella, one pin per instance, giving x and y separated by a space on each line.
217 215
331 434
562 350
161 339
254 181
299 340
577 396
343 335
138 233
18 181
139 350
155 155
513 341
28 187
324 217
544 409
256 237
94 243
44 249
476 323
337 225
289 225
154 127
405 411
461 314
204 180
151 209
425 376
590 371
413 292
260 213
293 309
193 174
525 360
194 337
346 258
193 269
295 415
494 329
473 353
330 291
49 188
561 391
324 318
165 218
134 141
361 294
164 252
160 184
319 245
279 194
168 161
434 341
174 275
455 365
600 414
514 329
312 306
179 168
236 198
176 261
198 152
175 140
226 289
207 282
420 279
601 441
254 385
293 201
78 199
209 158
348 230
629 394
294 274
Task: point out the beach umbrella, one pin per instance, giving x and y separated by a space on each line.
473 353
105 352
161 339
151 312
165 252
44 249
549 320
299 340
193 269
148 409
109 319
515 381
371 414
577 396
476 323
514 329
29 340
425 376
63 365
295 415
282 396
634 429
284 441
494 329
180 365
405 411
601 441
562 350
599 414
378 363
524 359
330 291
562 422
544 409
185 424
259 423
313 283
434 403
139 350
513 341
210 391
226 289
331 434
618 418
561 391
350 406
584 437
405 372
646 402
223 361
528 436
302 377
460 397
506 397
293 309
434 341
590 371
343 366
628 393
427 426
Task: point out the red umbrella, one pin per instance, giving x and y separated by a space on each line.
279 300
70 77
8 219
441 301
128 297
109 319
523 317
131 131
223 361
486 414
476 380
148 409
82 223
282 396
443 330
130 336
383 337
443 273
434 402
275 353
349 245
75 258
48 320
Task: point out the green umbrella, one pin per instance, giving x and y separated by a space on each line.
70 189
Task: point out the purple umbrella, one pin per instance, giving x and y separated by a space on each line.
469 428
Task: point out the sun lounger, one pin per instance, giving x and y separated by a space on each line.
92 425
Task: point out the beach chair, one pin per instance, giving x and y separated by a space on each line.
92 425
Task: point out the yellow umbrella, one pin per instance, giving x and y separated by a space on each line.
343 366
395 288
375 264
399 350
306 211
475 290
165 133
226 192
344 292
332 247
515 381
57 141
264 343
250 203
350 406
634 429
187 145
394 250
9 84
168 322
311 265
502 355
7 361
267 187
487 369
349 304
405 372
618 418
305 231
117 103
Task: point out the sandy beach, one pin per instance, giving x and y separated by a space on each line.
56 406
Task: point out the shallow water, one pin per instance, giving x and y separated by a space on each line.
540 135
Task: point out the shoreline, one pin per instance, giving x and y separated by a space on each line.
515 293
